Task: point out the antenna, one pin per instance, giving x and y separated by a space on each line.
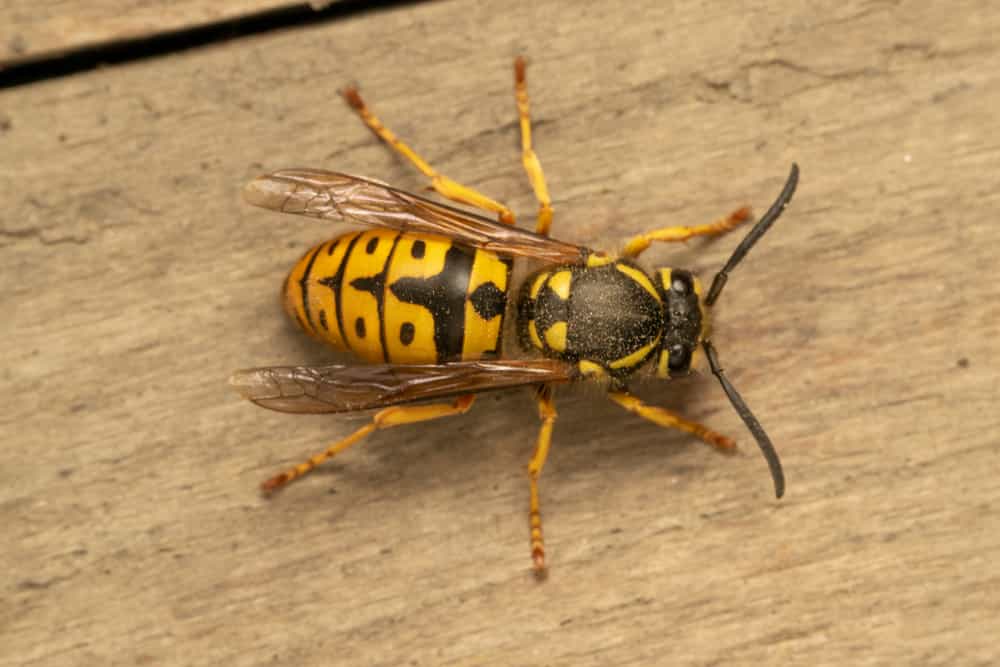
764 442
758 231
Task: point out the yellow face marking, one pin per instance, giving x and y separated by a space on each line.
589 368
481 335
706 321
555 336
409 328
697 286
359 307
536 286
663 366
641 278
559 283
666 275
598 259
695 358
636 357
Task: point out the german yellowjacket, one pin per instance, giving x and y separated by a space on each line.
426 296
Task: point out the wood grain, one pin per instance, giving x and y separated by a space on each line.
50 27
862 330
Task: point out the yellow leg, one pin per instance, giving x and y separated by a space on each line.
528 157
442 184
666 418
638 244
394 416
547 413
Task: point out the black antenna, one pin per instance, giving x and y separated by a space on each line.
764 442
758 231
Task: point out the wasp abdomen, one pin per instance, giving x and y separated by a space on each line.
400 298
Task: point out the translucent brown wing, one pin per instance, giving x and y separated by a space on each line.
331 195
340 388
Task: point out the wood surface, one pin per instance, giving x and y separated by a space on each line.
862 330
33 29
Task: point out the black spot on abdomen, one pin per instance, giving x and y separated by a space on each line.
443 295
406 333
488 300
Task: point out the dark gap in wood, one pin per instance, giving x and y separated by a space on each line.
53 66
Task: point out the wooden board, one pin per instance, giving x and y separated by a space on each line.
51 27
862 330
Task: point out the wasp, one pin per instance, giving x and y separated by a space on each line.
425 292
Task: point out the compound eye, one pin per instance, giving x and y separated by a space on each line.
680 358
680 282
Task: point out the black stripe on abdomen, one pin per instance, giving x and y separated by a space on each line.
304 290
444 296
375 285
335 281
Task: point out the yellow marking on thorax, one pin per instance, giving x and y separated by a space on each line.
359 308
560 283
663 363
598 259
636 357
481 336
429 262
536 286
591 369
533 334
641 278
555 336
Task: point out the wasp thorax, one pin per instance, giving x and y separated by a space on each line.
609 316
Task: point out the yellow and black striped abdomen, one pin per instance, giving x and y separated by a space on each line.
400 298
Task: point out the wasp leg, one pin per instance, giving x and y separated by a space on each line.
528 157
666 418
394 416
441 183
638 244
547 413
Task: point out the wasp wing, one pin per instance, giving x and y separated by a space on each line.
332 195
348 388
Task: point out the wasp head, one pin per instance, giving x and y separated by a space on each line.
685 323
